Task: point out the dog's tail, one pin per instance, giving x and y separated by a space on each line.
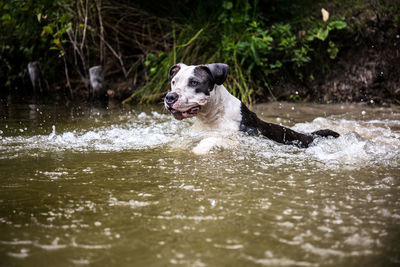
287 136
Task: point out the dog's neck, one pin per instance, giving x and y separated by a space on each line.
222 112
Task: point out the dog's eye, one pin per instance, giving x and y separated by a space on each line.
173 82
193 83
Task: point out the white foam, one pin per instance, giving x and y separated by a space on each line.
361 142
141 132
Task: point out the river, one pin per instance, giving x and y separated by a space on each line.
121 187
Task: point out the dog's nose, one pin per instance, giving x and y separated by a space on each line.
171 98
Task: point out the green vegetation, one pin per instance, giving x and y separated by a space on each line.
256 52
265 43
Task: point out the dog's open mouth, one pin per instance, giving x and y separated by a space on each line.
179 115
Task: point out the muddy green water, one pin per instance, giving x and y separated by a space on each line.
101 187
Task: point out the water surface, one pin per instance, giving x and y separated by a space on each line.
100 187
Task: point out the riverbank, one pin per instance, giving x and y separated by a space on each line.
324 51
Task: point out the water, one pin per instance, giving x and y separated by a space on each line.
98 187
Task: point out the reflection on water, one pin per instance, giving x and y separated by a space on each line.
122 188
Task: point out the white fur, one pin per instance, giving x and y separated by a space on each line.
187 96
220 111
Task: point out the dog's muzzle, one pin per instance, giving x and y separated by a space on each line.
171 99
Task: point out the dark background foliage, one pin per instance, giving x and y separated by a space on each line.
276 49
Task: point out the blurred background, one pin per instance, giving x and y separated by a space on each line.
303 50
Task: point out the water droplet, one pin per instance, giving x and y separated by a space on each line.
269 254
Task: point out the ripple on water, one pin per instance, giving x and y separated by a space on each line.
279 262
53 246
130 203
292 205
22 253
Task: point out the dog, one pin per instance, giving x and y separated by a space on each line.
198 91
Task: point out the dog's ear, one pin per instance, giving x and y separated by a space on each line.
219 72
174 70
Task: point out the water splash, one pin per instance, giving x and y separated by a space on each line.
360 143
142 131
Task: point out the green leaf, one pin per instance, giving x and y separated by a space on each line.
255 55
322 34
6 17
337 24
277 65
332 50
268 39
151 56
310 37
48 29
242 46
66 17
227 5
254 24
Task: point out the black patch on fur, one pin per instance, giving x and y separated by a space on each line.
251 124
219 72
203 77
249 121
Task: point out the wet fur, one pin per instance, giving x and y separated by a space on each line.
252 125
222 111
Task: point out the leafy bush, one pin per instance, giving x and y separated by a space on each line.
257 52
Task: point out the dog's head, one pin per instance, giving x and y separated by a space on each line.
192 86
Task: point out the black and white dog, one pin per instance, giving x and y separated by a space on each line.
199 91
